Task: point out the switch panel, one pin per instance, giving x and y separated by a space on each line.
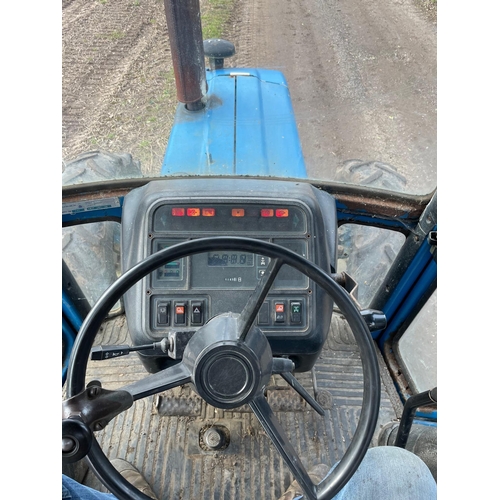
178 311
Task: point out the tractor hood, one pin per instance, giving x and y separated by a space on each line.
246 127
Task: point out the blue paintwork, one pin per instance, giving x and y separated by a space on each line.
69 336
246 128
70 313
429 418
410 301
415 282
92 214
71 323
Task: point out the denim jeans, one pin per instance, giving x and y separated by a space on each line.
386 473
390 473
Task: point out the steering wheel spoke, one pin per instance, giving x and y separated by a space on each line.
276 433
164 380
258 296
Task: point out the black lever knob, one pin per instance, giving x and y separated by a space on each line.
76 440
376 320
217 50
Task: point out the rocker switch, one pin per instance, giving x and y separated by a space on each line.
280 312
196 313
162 314
296 312
180 313
263 317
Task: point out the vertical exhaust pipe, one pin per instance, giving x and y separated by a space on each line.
186 44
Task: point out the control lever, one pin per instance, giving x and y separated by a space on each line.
284 367
101 352
173 345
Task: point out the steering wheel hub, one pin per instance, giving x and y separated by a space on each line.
228 371
227 377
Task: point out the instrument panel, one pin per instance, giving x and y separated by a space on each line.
184 294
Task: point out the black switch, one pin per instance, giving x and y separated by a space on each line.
296 312
180 313
196 313
263 318
162 313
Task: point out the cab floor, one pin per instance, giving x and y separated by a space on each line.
160 434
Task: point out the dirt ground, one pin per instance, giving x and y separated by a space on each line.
362 76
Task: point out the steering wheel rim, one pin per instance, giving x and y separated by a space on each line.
337 477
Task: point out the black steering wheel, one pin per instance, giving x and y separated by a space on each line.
229 361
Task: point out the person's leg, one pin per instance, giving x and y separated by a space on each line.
72 490
386 473
390 473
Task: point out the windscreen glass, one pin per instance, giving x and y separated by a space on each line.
345 91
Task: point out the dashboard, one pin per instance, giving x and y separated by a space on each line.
184 294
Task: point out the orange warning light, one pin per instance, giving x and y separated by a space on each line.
238 212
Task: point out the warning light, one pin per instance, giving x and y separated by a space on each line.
208 212
282 212
193 212
267 212
238 212
178 212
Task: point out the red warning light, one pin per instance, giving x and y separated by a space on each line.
178 212
238 212
282 212
193 212
208 212
267 212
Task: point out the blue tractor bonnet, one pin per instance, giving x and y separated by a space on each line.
246 127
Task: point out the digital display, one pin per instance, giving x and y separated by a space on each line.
173 271
230 259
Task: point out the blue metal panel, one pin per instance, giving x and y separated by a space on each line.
414 284
69 336
392 224
202 142
429 418
411 300
90 212
267 140
70 313
246 128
